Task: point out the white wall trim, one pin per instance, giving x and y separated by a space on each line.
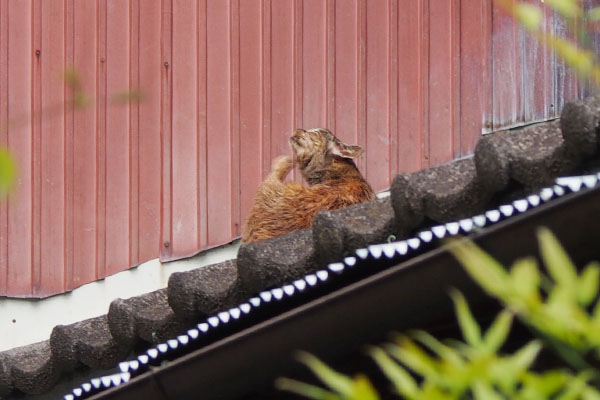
27 321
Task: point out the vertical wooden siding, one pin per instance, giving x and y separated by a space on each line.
105 187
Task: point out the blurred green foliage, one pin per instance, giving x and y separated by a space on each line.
578 48
78 99
8 172
561 308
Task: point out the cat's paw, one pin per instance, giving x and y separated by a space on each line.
281 166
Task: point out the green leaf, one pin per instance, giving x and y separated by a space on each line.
588 284
400 378
497 333
72 79
590 393
132 96
468 325
336 381
414 358
304 389
525 278
525 356
482 267
447 353
543 386
529 15
594 14
81 100
362 389
8 171
484 391
574 388
557 261
567 8
596 315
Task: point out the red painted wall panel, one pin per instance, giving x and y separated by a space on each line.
346 72
251 95
117 150
19 129
52 150
412 85
377 155
146 211
109 183
184 139
443 102
219 159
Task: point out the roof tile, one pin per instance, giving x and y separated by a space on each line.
443 193
148 317
32 367
532 156
89 342
204 291
340 232
275 261
580 122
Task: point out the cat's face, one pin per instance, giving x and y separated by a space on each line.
316 148
310 143
320 141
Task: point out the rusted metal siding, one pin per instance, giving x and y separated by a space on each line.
105 187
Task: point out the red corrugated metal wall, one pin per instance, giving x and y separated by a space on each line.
224 83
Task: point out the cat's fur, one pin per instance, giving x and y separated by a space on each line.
334 182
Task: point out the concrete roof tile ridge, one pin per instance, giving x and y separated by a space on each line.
580 126
89 342
532 156
340 232
275 261
31 369
147 317
444 193
204 291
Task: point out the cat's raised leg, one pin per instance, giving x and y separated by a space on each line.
281 166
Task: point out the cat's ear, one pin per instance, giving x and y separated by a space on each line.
340 149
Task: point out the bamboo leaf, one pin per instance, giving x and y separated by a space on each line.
497 333
594 14
304 389
543 386
400 378
525 278
588 284
596 314
72 79
484 391
482 267
590 393
525 356
468 325
414 358
8 171
445 352
567 8
336 381
557 261
529 15
574 388
127 97
362 389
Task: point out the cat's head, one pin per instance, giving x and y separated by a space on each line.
316 151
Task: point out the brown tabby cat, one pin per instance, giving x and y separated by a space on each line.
334 182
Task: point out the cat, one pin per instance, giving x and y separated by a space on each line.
334 182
